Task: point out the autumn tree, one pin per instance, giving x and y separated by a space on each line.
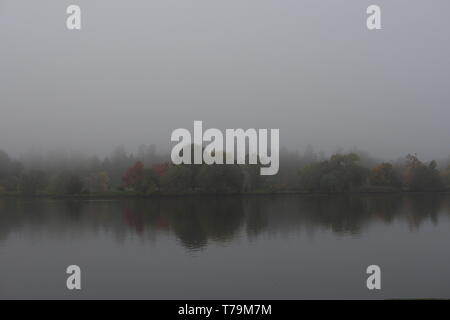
134 177
384 175
99 182
419 176
160 169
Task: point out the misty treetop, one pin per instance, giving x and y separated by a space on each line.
149 173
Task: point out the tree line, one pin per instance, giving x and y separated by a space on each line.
147 172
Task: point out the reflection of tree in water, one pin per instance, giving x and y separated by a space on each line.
420 207
199 221
73 209
340 214
134 220
348 214
193 220
257 217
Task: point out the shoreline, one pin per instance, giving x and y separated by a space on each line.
98 196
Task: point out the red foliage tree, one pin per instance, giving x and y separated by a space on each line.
160 169
134 175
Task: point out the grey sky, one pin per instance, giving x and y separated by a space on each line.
139 69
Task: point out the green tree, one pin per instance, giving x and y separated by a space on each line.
340 173
74 184
99 182
67 183
151 181
10 183
177 180
446 177
220 179
420 176
33 182
10 170
384 175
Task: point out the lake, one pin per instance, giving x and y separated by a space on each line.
228 247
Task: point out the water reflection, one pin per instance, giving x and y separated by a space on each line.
199 221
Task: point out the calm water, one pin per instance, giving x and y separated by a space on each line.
281 247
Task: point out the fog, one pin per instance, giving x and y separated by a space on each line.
140 69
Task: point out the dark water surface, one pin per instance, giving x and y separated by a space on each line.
280 247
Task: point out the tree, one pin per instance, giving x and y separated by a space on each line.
5 163
151 182
67 182
384 175
117 164
421 177
99 182
33 182
134 177
177 180
103 181
144 180
10 183
73 184
10 170
220 179
160 169
340 173
446 176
